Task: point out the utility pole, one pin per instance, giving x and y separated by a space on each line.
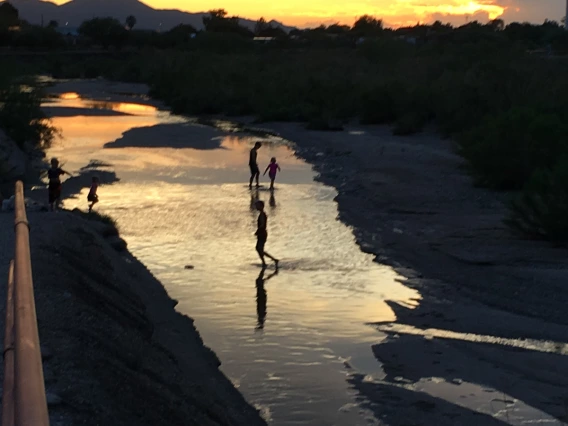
566 17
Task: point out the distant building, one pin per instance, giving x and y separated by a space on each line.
264 39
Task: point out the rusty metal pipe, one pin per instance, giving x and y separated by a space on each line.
30 406
8 387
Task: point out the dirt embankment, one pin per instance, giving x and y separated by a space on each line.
116 352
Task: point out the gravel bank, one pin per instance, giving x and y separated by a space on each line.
117 352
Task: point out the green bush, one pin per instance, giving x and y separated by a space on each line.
504 151
541 211
22 118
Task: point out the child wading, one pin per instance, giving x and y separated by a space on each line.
54 187
253 165
262 235
274 168
93 198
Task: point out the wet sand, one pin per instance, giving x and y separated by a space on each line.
412 205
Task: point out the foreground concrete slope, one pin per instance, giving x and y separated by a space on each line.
116 351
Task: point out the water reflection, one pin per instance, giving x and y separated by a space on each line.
189 206
254 198
69 96
74 100
261 297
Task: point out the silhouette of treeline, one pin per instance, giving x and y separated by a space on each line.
109 32
499 91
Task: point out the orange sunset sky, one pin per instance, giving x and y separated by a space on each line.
394 12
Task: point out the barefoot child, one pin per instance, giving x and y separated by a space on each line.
262 235
273 167
253 165
54 187
93 198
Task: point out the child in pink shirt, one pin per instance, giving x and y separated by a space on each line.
273 167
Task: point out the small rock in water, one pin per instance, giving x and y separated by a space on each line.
189 267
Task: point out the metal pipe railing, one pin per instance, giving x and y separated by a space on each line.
8 387
25 401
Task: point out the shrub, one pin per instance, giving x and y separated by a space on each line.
22 118
504 151
541 211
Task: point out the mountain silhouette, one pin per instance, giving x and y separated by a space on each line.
75 12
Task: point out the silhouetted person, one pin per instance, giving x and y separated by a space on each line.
262 235
272 169
54 188
93 198
253 164
261 298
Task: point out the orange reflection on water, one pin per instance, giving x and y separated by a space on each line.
100 129
74 100
68 96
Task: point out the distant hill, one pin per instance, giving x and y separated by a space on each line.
76 12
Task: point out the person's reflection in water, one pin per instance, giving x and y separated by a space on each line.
261 298
254 197
272 201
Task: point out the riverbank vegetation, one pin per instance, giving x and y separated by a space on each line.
497 90
21 116
24 123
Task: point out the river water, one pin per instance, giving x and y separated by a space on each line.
290 340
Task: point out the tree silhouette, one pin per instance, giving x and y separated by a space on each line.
9 15
130 22
215 15
53 24
368 26
496 25
178 36
106 31
338 29
260 27
218 22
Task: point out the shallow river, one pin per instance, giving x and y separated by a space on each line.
289 341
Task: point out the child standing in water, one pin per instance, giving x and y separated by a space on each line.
262 235
54 187
93 198
273 167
